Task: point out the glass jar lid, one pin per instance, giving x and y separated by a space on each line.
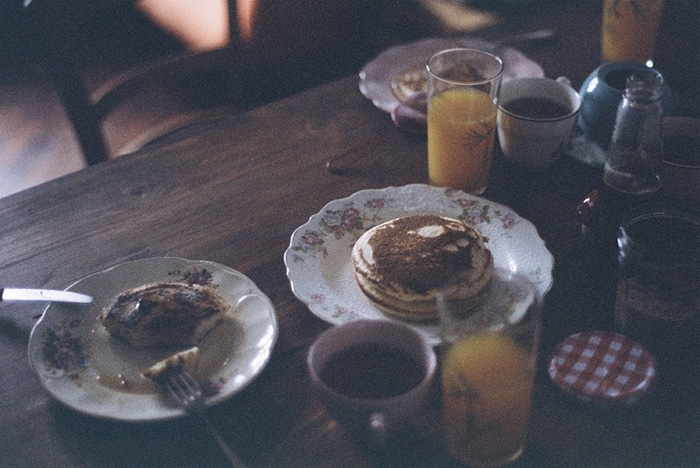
604 368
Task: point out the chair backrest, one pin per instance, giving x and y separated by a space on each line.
285 46
56 24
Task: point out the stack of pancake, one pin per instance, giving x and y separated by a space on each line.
402 264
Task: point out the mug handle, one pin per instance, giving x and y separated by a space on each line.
564 80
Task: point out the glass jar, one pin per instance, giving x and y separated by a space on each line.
658 291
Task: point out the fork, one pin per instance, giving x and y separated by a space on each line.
187 393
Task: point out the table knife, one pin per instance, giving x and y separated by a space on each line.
45 295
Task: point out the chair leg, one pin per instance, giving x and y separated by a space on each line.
48 21
82 115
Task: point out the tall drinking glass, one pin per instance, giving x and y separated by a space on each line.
463 86
488 371
629 29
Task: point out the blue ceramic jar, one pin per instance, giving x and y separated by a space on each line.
601 94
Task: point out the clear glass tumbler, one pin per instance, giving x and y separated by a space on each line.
629 29
488 371
463 86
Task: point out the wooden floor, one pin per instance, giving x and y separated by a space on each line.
37 142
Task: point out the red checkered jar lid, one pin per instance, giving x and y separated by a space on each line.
603 367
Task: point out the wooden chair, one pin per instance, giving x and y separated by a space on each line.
57 24
290 45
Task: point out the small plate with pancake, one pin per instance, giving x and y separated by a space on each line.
319 263
399 71
80 364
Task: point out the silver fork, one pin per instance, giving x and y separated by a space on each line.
187 393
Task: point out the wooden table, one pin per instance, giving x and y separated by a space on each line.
232 192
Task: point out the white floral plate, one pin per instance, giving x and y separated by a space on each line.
377 75
83 367
319 263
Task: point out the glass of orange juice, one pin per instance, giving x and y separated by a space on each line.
463 87
629 29
488 370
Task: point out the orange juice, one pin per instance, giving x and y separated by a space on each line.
461 132
487 384
629 29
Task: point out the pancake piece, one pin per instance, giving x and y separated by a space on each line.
409 82
184 360
164 314
402 264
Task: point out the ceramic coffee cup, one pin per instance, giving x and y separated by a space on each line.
536 116
372 375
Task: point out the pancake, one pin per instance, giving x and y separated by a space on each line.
186 360
402 264
409 82
415 80
164 314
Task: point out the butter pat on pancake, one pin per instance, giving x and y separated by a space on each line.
402 264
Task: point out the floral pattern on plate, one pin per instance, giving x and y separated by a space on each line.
346 223
64 353
82 366
319 263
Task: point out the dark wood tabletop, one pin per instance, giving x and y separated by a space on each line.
232 191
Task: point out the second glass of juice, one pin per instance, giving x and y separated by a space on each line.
629 29
488 371
463 86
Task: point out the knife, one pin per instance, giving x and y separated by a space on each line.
45 295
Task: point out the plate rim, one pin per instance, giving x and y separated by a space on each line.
167 413
360 193
399 49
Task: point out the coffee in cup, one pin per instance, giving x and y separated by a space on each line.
536 117
372 375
